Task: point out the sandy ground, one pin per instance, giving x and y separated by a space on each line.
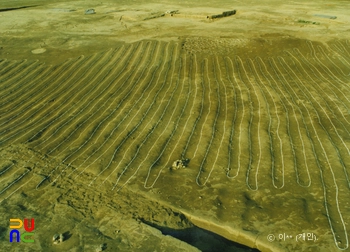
167 217
90 217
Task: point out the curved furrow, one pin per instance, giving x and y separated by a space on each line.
338 57
131 58
293 140
150 64
275 155
324 101
125 115
322 108
332 90
321 75
94 75
333 139
126 58
297 153
4 63
24 125
343 84
8 195
202 170
12 181
11 109
234 119
330 180
222 122
158 144
38 135
327 76
19 82
347 47
219 127
287 134
124 135
203 108
247 156
44 83
23 91
194 127
9 175
109 135
102 118
265 159
13 73
175 151
256 143
21 86
162 147
5 167
339 48
335 122
331 201
85 121
344 48
148 129
205 72
57 97
5 66
52 111
53 130
136 72
232 131
81 114
6 70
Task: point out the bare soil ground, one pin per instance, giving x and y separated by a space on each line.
96 108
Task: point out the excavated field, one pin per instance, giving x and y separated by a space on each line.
95 109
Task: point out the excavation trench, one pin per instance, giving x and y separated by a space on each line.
16 8
200 238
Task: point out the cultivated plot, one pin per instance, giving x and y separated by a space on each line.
259 133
